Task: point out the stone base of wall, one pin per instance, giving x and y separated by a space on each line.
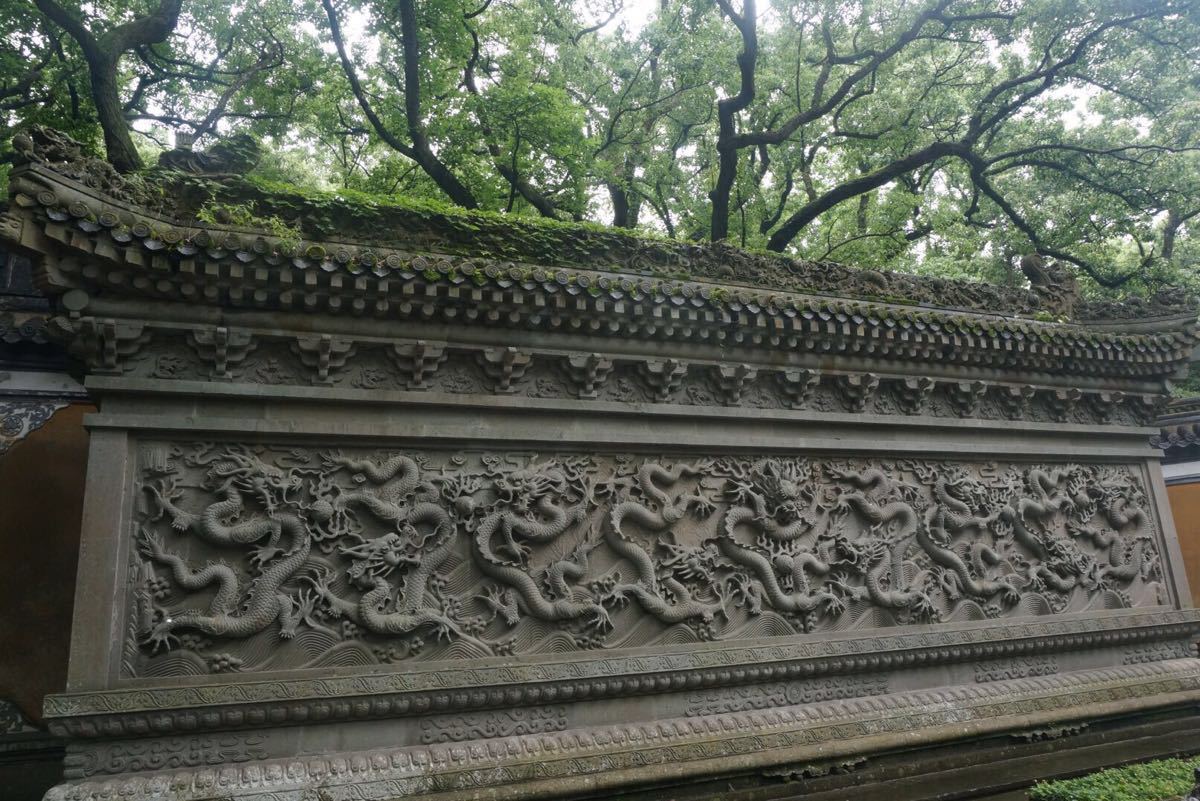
922 744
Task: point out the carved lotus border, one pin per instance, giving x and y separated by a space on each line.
607 757
445 687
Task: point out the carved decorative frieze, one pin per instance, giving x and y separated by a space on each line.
504 367
105 344
323 354
1158 652
912 394
1106 404
719 700
1015 668
275 359
163 754
587 372
500 723
445 686
966 396
731 381
1061 403
605 756
1014 401
261 558
798 386
662 376
857 390
417 361
21 417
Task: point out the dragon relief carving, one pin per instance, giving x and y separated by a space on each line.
256 558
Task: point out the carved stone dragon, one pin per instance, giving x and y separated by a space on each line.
499 552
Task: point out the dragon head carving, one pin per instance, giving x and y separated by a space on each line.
781 490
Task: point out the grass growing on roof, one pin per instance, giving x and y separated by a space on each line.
1162 780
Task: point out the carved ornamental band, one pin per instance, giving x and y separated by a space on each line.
272 558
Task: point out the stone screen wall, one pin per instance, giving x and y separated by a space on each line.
374 520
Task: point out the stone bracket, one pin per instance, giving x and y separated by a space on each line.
324 353
222 347
418 361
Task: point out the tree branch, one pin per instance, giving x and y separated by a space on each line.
103 56
508 172
864 183
979 178
419 151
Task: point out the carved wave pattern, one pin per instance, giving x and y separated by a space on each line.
274 558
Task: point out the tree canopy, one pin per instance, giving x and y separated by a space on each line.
950 136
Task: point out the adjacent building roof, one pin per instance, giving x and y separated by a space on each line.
1179 430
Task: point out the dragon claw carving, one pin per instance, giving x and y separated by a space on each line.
502 602
616 597
700 506
923 608
1010 595
846 591
598 620
834 605
261 555
747 592
161 637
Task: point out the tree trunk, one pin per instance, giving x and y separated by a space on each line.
424 155
626 204
727 111
118 144
620 204
103 55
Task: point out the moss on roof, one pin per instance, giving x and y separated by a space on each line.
397 223
394 221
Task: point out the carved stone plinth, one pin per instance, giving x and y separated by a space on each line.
389 524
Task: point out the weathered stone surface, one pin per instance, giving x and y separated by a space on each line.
400 518
366 558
